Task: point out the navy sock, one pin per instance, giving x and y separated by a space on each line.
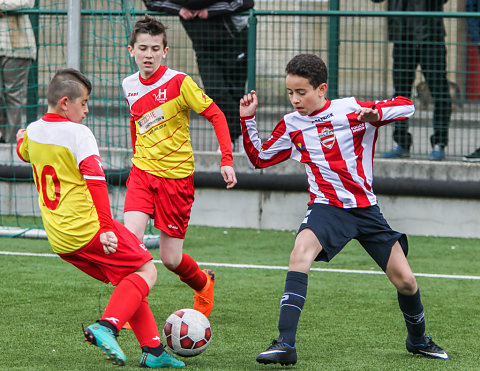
412 309
291 305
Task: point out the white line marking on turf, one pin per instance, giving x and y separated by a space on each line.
274 267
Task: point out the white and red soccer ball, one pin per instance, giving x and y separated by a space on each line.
187 332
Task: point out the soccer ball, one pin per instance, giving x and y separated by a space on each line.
187 332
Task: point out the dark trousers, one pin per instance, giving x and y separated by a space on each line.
431 57
221 54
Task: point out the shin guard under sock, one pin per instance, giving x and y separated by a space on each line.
412 309
291 305
125 300
190 273
145 327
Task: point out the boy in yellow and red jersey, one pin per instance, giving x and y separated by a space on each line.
160 185
73 200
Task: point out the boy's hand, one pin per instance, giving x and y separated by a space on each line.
248 104
229 176
21 134
368 114
109 242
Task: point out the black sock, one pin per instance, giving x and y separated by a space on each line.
291 305
157 351
110 325
412 309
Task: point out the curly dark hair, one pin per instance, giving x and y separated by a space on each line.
309 66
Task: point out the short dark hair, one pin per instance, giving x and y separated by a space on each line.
151 26
309 66
67 82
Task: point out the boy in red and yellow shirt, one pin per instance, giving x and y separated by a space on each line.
74 203
160 185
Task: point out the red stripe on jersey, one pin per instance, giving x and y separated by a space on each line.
333 156
250 149
256 157
178 165
19 144
157 96
163 139
358 130
389 109
325 187
133 133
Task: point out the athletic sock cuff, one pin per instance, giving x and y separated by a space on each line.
139 283
410 305
296 282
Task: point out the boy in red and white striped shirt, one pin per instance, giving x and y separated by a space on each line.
336 142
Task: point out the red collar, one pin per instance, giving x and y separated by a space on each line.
54 117
154 78
327 104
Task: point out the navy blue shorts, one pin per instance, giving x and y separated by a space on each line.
335 227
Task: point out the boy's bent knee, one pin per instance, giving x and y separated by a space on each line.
148 272
407 285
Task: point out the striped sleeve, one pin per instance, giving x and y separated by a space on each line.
398 108
276 149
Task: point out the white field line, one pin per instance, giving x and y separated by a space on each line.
274 267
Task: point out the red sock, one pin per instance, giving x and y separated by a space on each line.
125 300
144 326
190 273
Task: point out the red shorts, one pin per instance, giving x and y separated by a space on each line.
168 201
131 254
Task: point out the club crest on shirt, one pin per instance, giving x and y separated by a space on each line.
327 137
161 97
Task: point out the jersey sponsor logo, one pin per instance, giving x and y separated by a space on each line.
323 118
327 137
149 119
132 94
161 97
357 128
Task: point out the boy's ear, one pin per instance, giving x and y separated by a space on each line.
165 51
62 103
130 50
322 89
